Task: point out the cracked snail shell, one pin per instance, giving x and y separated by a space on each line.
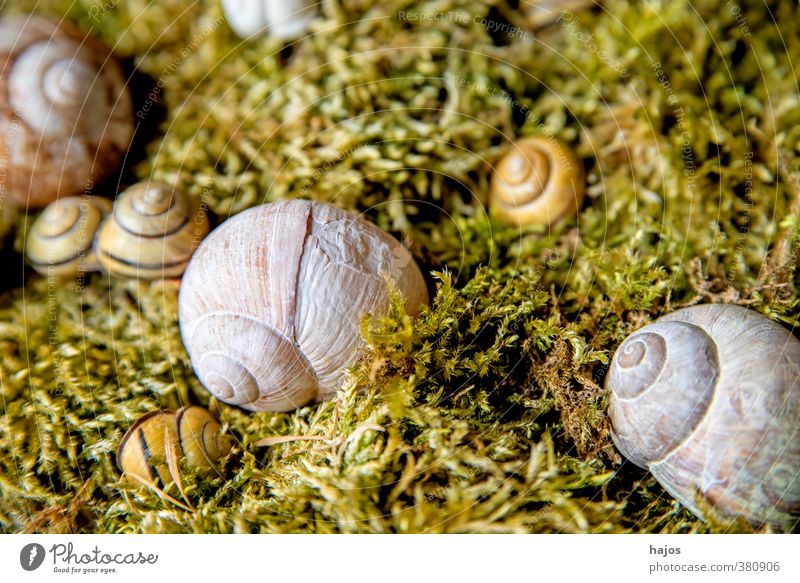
271 303
150 450
708 399
151 234
60 241
66 117
538 182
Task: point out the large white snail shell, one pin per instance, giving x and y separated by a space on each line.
66 118
284 19
271 302
708 399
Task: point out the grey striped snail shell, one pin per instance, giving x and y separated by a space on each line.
59 243
151 234
66 118
538 182
271 303
150 451
708 399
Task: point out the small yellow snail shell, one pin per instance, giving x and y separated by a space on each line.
271 303
60 241
66 118
151 234
708 399
149 451
538 182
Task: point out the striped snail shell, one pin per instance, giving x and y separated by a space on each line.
708 399
150 450
66 118
538 182
271 303
151 234
59 243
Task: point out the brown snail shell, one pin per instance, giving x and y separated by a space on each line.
708 399
149 452
538 182
271 302
151 234
66 118
60 241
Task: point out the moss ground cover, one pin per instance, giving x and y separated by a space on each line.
486 414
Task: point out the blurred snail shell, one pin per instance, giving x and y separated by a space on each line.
538 182
8 215
59 243
151 234
149 452
284 19
271 302
542 13
708 399
66 118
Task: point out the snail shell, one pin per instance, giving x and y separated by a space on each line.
708 399
271 303
151 234
284 19
66 118
8 215
538 182
190 432
59 243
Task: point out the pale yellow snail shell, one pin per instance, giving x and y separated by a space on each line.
151 234
271 302
193 433
66 118
708 399
538 182
59 243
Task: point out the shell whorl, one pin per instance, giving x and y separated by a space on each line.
60 240
271 303
538 182
151 234
192 432
54 91
718 418
66 117
649 422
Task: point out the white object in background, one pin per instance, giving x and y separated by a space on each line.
285 19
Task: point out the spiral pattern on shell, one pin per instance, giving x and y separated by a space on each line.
708 399
538 182
271 303
151 234
59 243
192 433
66 118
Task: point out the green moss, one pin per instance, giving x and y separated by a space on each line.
487 412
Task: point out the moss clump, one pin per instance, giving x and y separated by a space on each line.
486 413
